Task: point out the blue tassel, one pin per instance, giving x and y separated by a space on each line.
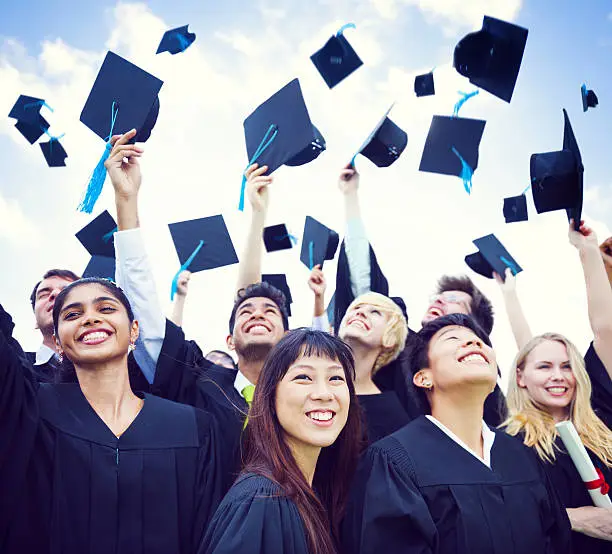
265 142
242 191
311 255
52 138
109 235
466 172
292 238
37 104
345 27
465 97
526 189
183 42
184 267
509 264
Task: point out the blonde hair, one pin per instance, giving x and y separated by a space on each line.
394 337
538 426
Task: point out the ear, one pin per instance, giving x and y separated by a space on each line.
423 379
229 340
58 346
134 332
519 379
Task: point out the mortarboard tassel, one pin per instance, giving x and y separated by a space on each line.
311 255
292 238
509 265
465 96
466 172
96 181
336 60
108 236
183 42
184 267
265 142
38 104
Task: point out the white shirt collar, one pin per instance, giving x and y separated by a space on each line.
488 437
43 354
240 382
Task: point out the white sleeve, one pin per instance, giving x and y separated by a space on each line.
134 276
357 249
321 323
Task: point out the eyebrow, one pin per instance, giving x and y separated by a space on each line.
44 289
447 330
250 305
95 301
308 366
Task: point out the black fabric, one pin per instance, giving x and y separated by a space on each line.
383 414
601 396
418 491
44 373
69 485
255 517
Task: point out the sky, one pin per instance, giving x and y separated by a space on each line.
421 225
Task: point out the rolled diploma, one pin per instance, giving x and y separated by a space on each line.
581 460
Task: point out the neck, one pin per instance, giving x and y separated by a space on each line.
560 415
461 411
306 457
49 342
365 357
250 368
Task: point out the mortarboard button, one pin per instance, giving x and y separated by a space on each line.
557 177
309 153
202 244
319 243
515 209
337 59
589 98
279 281
54 152
176 40
491 257
491 58
385 143
101 266
97 236
278 237
424 85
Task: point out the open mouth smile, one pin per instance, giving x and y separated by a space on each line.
321 418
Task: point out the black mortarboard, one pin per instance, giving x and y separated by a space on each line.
399 301
176 40
337 59
54 152
515 209
589 98
385 143
491 58
557 177
279 281
217 249
32 132
27 109
280 131
97 235
101 266
424 84
319 243
446 133
278 237
491 257
131 91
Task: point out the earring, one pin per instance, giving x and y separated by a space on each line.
428 385
61 357
131 347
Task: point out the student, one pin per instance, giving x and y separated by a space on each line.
446 482
302 445
92 466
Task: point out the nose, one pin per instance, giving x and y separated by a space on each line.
474 342
54 294
557 373
321 391
91 318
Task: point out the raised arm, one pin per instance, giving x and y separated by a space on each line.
318 285
514 310
599 292
181 296
249 269
134 273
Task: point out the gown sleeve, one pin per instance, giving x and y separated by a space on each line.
601 397
386 512
255 519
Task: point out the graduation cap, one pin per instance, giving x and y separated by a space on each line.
33 131
279 281
451 147
424 85
27 109
491 257
101 266
515 209
319 243
385 143
557 177
491 58
176 40
97 236
280 132
123 97
337 59
202 244
54 152
589 98
278 237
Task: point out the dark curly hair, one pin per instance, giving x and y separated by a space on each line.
265 290
63 273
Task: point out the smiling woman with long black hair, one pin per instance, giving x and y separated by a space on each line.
92 466
303 440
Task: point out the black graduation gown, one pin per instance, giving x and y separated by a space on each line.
69 485
419 491
255 517
601 397
44 373
382 414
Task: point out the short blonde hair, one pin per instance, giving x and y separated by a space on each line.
394 337
538 426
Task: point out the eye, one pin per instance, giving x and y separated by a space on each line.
107 309
70 315
337 378
452 338
377 312
271 311
301 377
542 365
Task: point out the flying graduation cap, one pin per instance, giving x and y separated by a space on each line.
491 58
515 209
176 40
385 143
278 237
279 281
337 59
202 244
97 238
53 151
557 177
319 243
424 85
589 98
123 97
280 132
491 257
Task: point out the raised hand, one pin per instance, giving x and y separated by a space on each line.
257 187
317 282
509 285
585 237
182 285
348 182
123 167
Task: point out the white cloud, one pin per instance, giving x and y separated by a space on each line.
239 42
15 227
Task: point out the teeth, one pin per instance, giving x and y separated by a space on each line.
321 416
556 390
94 336
357 322
257 327
474 357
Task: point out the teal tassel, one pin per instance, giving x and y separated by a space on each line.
509 264
464 98
311 255
96 183
265 142
184 267
345 27
109 235
292 238
466 172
